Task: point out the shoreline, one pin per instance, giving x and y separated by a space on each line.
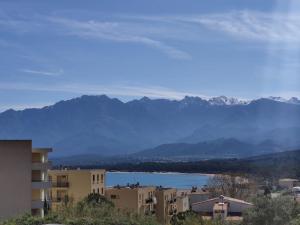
170 173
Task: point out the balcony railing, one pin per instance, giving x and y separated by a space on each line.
60 199
60 184
41 165
149 200
173 200
38 184
173 212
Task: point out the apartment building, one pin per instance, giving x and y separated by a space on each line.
71 186
133 198
182 203
40 181
24 180
166 205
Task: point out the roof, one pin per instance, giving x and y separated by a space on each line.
225 199
68 171
130 187
288 179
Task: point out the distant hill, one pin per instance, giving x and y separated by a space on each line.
270 166
220 148
107 126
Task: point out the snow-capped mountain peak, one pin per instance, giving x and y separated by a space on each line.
292 100
223 100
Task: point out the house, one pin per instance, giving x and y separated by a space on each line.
145 200
296 193
224 207
288 183
72 186
133 198
24 178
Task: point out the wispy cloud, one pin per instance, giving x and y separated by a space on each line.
163 32
114 90
43 73
251 25
118 32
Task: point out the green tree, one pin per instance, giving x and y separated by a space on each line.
276 211
93 210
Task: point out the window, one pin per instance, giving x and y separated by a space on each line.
113 196
97 178
93 178
94 191
102 178
102 191
97 190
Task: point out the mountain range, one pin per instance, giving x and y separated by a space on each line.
107 126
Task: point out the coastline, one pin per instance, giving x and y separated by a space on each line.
166 173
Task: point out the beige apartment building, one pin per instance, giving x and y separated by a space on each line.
24 180
133 198
145 200
166 204
71 186
182 203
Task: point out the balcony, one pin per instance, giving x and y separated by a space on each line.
37 204
60 184
172 201
41 166
60 199
172 212
57 200
38 184
149 201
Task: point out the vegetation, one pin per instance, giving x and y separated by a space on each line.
231 186
94 210
273 211
191 218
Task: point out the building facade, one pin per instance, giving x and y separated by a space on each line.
71 186
133 198
40 181
222 207
166 204
24 179
183 204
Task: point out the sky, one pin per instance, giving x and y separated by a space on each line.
56 50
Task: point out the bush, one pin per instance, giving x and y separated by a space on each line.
91 211
276 211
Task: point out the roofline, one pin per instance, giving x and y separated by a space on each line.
75 170
225 198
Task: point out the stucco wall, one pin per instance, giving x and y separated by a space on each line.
15 178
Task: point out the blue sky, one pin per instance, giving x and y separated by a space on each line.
56 50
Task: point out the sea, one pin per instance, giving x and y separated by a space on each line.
174 180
